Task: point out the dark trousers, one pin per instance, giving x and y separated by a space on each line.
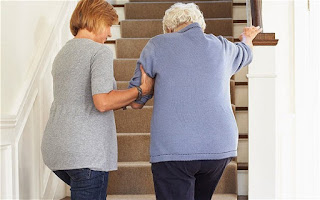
85 183
187 180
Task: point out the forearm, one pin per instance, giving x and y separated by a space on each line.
115 99
135 105
247 41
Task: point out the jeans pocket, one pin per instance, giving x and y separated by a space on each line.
79 174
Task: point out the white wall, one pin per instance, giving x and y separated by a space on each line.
32 34
307 82
297 138
281 12
25 29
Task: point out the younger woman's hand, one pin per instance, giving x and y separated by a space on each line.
147 83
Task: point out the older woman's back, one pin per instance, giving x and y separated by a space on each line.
192 116
194 133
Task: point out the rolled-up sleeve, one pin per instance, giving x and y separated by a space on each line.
147 59
237 54
102 79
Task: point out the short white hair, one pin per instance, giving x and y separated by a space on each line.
181 13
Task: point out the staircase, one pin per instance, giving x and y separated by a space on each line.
139 21
142 19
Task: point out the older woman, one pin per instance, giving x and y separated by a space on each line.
79 142
194 134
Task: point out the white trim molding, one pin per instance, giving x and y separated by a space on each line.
262 124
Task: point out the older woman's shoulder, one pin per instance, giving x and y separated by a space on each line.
217 39
213 37
163 37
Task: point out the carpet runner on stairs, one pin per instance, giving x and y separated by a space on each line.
156 10
133 179
152 27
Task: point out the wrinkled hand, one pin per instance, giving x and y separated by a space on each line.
249 33
147 83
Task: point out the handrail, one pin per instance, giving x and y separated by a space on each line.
256 12
254 17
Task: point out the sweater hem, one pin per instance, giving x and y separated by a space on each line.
190 157
92 168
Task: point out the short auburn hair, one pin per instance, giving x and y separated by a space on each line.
93 15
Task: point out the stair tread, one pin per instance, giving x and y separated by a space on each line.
134 164
138 121
136 178
153 197
210 9
148 164
132 134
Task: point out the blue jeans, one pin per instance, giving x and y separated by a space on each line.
85 183
187 180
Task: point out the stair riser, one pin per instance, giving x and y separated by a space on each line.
239 13
157 10
135 148
151 28
242 121
242 182
138 121
124 70
124 85
241 76
139 180
241 96
243 151
116 31
131 48
242 179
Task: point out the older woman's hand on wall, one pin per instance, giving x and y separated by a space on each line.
249 33
147 83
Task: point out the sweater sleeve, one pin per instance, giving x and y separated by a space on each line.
147 61
238 54
102 79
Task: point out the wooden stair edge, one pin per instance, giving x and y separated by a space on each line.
242 166
263 39
242 108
